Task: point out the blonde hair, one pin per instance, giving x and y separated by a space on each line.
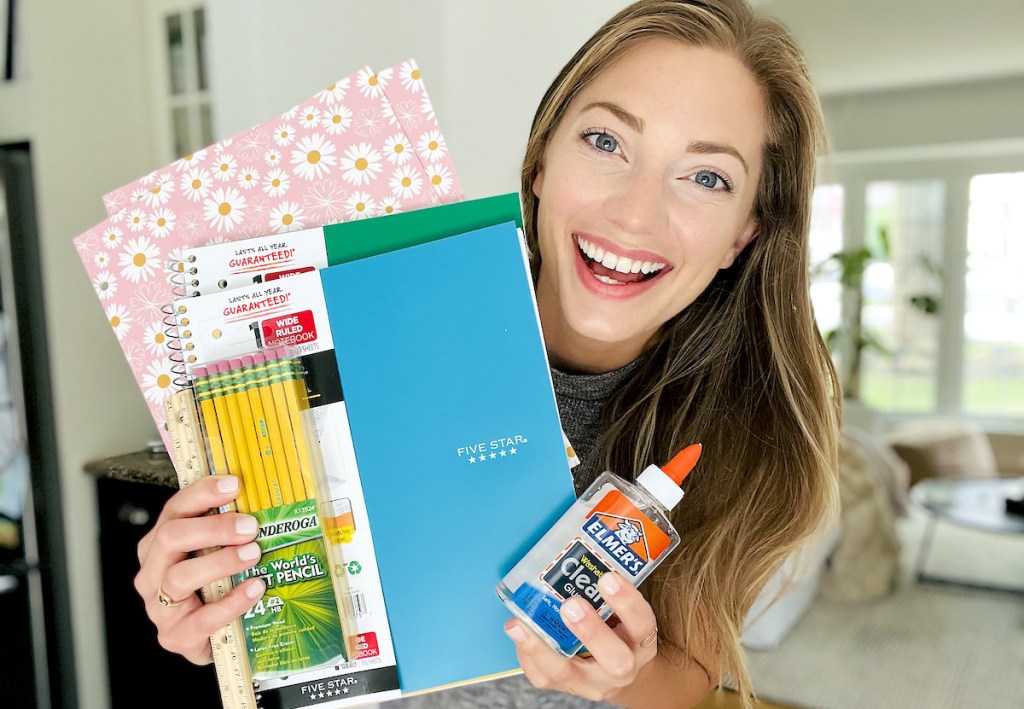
743 369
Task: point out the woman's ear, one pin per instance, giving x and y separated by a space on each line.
538 182
748 234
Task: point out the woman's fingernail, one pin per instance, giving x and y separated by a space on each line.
571 609
516 633
227 483
249 551
246 525
255 589
610 583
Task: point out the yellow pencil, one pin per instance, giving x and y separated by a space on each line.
274 404
234 442
235 387
269 436
245 437
295 401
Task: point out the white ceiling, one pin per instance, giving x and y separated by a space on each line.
856 45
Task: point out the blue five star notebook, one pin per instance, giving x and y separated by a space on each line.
456 435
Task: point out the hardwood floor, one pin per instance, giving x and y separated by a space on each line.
727 699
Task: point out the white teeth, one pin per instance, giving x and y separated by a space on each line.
622 264
609 281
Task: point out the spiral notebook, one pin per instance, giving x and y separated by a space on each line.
435 407
364 146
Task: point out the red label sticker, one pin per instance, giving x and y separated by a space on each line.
292 329
365 646
274 275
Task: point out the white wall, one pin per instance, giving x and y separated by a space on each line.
90 132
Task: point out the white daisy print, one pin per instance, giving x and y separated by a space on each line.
248 178
431 146
272 157
276 183
309 117
151 178
427 108
361 165
112 237
360 206
397 149
370 85
313 157
326 200
390 205
157 380
101 260
155 339
286 217
224 167
253 144
120 319
284 134
408 114
224 209
370 122
335 93
136 220
388 110
336 120
191 161
161 223
258 209
151 296
191 226
440 177
411 77
290 113
406 182
117 216
195 183
220 147
157 195
139 260
105 285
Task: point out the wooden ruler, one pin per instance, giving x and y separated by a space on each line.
189 456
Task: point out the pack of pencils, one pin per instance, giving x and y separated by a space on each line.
254 410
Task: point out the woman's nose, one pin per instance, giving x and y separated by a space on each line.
637 202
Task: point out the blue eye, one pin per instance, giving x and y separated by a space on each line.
604 142
711 180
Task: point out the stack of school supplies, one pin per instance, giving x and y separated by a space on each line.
411 402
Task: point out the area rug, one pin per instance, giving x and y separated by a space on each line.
924 646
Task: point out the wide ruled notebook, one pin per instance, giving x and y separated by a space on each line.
364 146
432 358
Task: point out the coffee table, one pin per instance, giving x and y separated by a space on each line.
977 504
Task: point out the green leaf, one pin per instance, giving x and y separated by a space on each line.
928 304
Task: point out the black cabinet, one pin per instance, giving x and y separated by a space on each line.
142 674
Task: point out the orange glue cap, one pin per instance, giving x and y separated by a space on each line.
663 483
681 465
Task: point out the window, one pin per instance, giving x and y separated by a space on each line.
941 300
993 382
185 123
904 233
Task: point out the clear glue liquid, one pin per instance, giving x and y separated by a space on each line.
616 526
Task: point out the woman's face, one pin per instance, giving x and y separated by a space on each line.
646 191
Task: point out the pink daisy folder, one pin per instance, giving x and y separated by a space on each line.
368 145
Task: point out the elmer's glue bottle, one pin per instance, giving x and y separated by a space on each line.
615 525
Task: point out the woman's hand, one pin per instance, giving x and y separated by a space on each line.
168 577
618 655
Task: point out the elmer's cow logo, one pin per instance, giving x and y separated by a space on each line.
620 537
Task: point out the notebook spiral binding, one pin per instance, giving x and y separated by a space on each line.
178 277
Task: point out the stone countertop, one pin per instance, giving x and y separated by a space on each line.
141 467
